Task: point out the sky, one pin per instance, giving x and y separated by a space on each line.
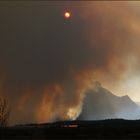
47 62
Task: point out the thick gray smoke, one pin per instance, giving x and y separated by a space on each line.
47 61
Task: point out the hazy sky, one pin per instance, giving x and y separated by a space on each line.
47 62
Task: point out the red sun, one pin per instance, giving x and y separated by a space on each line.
67 14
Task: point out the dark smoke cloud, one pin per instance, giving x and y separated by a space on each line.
47 61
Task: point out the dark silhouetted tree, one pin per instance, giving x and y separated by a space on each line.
4 112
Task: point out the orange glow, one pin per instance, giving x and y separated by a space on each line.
70 126
67 14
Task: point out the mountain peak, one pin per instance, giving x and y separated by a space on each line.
125 97
97 83
99 103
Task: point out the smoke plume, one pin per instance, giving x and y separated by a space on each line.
47 62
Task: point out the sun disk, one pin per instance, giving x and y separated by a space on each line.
67 14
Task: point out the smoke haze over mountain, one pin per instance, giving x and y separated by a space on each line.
48 62
99 104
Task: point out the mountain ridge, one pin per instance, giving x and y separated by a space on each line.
99 103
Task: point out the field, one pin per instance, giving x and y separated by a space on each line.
110 129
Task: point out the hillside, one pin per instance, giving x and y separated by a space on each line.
100 103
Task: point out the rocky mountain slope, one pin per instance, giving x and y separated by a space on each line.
99 103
